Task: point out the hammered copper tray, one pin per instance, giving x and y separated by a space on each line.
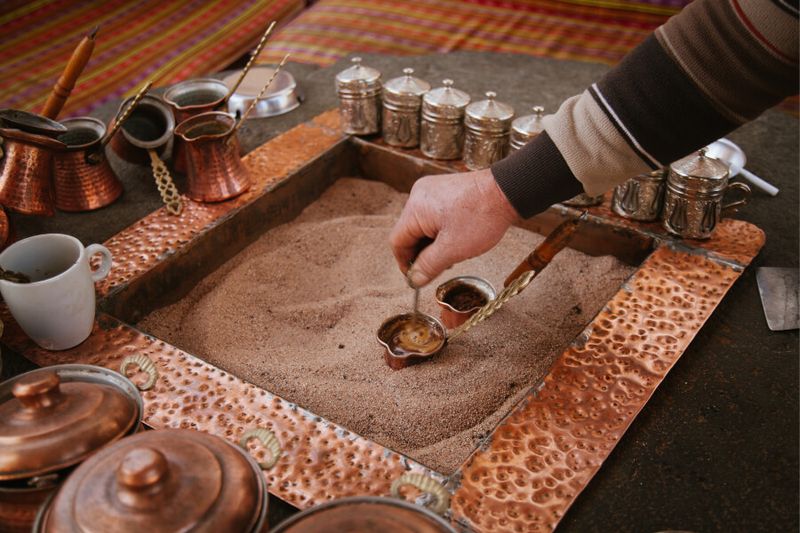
529 471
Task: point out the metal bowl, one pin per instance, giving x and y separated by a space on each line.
280 98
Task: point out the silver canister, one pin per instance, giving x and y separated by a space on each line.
488 127
359 90
525 129
442 126
693 203
641 197
402 100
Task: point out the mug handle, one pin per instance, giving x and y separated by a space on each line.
732 207
105 263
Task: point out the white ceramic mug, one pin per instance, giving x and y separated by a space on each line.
57 308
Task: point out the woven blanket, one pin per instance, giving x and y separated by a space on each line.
592 30
139 40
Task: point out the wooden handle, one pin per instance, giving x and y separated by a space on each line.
65 84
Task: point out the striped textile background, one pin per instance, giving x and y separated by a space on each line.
163 40
591 30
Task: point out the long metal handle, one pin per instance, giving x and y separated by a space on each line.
249 64
426 484
759 183
257 98
122 115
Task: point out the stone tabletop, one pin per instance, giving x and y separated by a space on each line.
716 448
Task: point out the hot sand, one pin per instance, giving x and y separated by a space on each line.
297 311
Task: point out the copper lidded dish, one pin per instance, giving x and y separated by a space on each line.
52 419
166 480
411 338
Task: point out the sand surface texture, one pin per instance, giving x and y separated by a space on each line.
297 311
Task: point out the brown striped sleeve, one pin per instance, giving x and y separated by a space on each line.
714 66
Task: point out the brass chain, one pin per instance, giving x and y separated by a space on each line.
166 187
516 287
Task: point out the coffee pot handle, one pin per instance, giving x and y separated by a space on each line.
733 206
105 262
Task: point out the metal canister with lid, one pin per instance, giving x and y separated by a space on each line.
693 203
402 100
526 128
641 197
488 126
359 90
442 127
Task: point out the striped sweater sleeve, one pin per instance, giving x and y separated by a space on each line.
708 70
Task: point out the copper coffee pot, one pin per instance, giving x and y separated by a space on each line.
84 180
215 171
25 172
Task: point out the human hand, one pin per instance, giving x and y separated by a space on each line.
464 214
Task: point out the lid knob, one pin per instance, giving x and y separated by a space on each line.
538 110
491 95
702 151
38 391
408 71
141 469
447 83
356 61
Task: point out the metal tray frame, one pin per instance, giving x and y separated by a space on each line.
528 472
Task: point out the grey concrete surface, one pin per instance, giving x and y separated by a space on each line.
716 449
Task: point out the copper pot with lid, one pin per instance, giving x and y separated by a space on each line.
51 419
375 514
166 480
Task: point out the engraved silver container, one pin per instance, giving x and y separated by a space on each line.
359 90
488 127
641 197
402 100
525 129
442 126
693 203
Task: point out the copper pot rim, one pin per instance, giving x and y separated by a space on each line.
183 128
90 373
168 95
483 285
380 500
158 104
91 144
435 323
32 138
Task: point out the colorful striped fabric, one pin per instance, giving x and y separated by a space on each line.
139 40
591 30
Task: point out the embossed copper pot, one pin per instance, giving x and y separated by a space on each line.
149 127
52 419
84 183
187 99
161 481
693 203
214 169
26 170
376 514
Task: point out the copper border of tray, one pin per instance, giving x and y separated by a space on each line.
529 471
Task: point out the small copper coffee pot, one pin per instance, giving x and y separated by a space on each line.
26 170
190 98
214 169
84 180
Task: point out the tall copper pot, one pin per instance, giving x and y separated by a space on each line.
26 171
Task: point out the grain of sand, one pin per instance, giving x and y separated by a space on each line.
296 314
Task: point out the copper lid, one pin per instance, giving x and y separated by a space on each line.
365 514
167 480
445 101
699 173
406 90
358 79
489 114
53 418
526 128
